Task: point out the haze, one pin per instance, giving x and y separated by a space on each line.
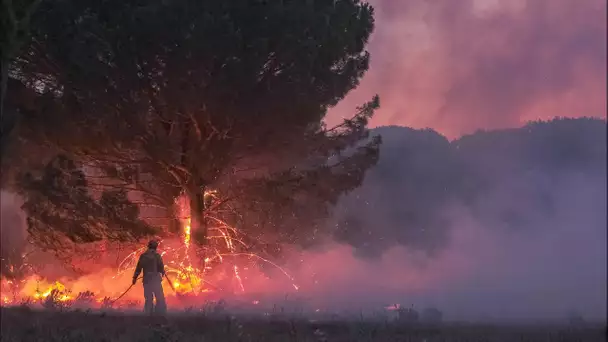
508 224
458 66
461 66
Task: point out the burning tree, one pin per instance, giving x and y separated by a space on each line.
219 102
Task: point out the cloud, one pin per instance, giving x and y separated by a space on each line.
457 66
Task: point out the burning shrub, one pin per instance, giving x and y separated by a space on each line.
57 300
107 303
10 291
83 300
86 296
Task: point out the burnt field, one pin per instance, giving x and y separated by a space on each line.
23 324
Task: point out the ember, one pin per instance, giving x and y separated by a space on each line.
189 281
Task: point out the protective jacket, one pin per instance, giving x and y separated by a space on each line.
151 263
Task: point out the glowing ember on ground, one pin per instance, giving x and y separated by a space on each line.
224 262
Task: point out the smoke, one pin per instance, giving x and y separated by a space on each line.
12 232
539 272
505 225
508 225
458 66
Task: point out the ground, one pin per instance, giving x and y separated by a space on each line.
23 324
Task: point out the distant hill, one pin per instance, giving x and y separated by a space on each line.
508 178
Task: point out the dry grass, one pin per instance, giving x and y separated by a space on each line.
24 324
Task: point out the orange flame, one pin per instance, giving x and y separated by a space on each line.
186 277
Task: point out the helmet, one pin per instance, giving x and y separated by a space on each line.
153 244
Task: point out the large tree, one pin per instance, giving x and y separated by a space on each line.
169 97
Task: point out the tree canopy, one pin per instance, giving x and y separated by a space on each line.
160 98
60 205
14 28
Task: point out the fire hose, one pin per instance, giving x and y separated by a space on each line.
124 293
170 283
131 286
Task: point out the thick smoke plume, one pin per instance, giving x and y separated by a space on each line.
461 65
507 224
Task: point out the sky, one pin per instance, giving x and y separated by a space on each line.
460 66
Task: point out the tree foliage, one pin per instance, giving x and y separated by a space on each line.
14 25
61 209
165 97
14 28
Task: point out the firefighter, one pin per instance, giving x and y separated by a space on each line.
153 268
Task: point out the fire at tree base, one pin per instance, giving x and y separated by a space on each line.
226 271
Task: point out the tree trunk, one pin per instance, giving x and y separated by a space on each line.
195 189
198 223
174 220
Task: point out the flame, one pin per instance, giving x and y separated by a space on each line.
187 235
225 246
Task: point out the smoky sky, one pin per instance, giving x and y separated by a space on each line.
510 180
457 66
509 223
